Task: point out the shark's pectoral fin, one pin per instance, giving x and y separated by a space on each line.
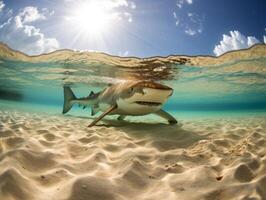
94 110
121 117
102 115
166 116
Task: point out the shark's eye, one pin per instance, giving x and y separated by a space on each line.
131 89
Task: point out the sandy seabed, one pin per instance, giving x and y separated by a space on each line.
45 157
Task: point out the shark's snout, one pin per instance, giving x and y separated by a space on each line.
149 96
153 95
148 101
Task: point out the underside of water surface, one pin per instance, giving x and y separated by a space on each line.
234 81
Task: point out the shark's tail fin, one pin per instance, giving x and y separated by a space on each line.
68 97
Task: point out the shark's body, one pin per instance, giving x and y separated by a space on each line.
128 98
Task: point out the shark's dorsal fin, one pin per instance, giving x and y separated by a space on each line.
94 110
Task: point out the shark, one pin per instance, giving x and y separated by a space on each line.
130 98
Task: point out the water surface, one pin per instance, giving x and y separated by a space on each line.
235 82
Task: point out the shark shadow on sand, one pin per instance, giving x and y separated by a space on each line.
160 135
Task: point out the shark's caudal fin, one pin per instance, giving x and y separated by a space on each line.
68 97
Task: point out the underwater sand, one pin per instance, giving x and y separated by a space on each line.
46 157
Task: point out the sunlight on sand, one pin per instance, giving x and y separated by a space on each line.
57 157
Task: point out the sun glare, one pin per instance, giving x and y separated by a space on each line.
91 18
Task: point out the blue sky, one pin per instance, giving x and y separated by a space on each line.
133 27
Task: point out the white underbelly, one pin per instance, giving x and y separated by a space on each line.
125 108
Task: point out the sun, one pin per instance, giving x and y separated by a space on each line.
91 18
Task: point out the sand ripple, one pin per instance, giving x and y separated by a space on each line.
58 157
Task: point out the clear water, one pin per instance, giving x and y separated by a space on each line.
236 85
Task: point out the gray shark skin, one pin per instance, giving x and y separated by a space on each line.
128 98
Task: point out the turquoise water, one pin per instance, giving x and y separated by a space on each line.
233 86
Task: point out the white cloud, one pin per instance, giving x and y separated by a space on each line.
119 3
194 24
108 4
46 12
175 15
115 9
177 21
190 32
132 5
18 34
234 41
111 5
115 3
128 16
30 14
123 15
180 3
252 40
2 5
191 23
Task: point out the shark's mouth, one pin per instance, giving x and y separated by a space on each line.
148 103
